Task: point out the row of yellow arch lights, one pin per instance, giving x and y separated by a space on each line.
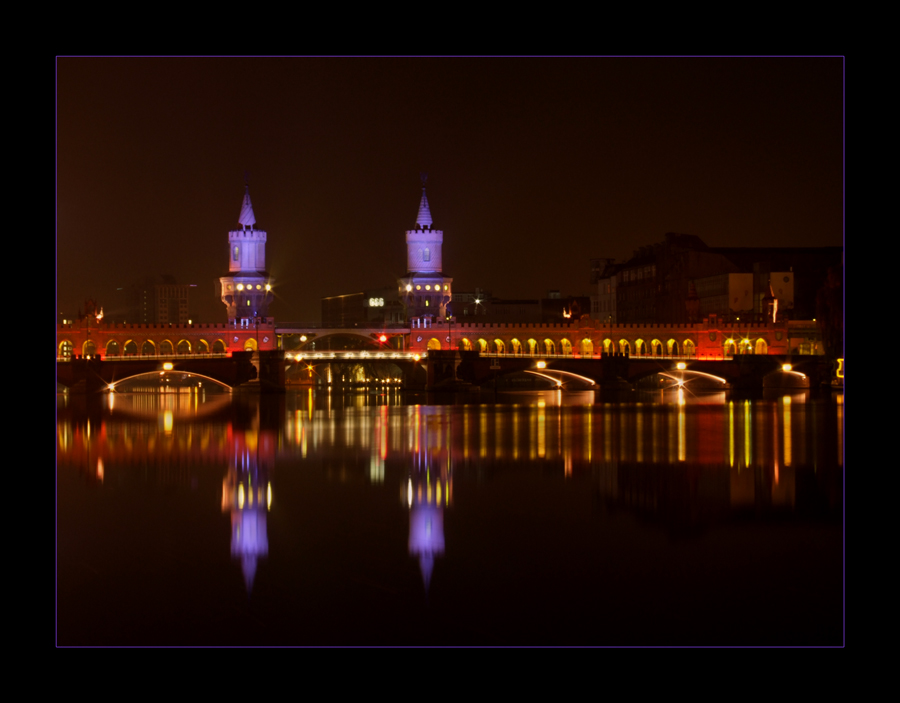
498 346
149 348
656 347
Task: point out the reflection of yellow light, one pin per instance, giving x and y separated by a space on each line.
240 495
409 494
268 496
786 409
785 367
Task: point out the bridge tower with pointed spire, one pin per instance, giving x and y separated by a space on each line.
425 291
247 289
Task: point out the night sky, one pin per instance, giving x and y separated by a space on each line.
535 166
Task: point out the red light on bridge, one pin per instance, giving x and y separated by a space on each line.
382 338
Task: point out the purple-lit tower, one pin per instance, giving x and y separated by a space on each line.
424 291
247 289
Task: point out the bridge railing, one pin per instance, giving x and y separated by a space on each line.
147 357
363 355
648 357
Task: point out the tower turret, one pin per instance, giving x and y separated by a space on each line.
425 291
247 289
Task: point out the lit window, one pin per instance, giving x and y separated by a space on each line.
426 255
237 253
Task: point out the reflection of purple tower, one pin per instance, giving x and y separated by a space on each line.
429 489
247 495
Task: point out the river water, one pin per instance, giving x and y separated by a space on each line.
527 518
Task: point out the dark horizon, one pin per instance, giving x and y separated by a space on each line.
535 167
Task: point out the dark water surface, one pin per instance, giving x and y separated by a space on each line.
532 518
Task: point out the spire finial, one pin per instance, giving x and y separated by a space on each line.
247 218
423 219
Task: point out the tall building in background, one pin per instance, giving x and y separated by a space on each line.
154 300
247 289
425 291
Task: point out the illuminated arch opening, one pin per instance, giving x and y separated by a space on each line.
130 348
165 348
499 346
656 347
219 347
482 346
112 348
465 344
608 346
516 346
532 347
184 347
434 343
761 346
549 346
89 348
565 347
587 347
148 348
728 347
672 347
624 346
640 347
250 344
202 347
689 349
